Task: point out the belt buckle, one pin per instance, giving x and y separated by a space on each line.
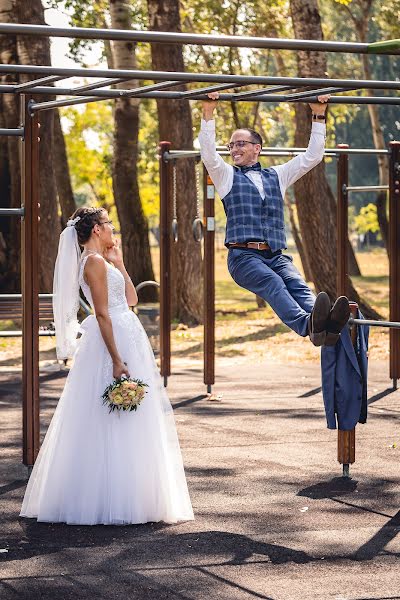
258 245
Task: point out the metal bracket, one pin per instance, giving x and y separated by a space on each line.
31 112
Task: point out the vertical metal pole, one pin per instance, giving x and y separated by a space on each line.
30 285
209 281
342 221
394 258
347 439
165 264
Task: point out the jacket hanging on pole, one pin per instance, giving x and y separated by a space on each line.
344 379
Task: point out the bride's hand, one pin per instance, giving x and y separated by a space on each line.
114 254
119 369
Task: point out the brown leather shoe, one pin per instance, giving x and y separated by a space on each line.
318 319
338 319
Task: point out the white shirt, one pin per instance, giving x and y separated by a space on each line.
222 173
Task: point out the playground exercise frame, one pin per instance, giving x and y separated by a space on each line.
341 153
273 89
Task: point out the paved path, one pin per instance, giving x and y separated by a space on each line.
274 519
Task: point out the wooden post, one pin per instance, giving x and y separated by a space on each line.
394 258
30 284
209 281
342 221
165 264
347 439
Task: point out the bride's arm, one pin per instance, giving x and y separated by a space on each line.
114 255
130 291
96 277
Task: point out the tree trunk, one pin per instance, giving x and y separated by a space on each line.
360 14
61 169
10 266
314 198
175 125
352 261
134 227
36 51
381 207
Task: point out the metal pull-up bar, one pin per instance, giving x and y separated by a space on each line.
12 132
12 212
365 188
167 37
372 323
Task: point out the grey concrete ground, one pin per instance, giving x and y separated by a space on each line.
274 519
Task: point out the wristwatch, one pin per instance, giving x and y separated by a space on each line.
318 117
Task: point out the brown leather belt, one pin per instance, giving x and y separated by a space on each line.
253 245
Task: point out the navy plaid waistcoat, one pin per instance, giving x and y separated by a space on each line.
249 217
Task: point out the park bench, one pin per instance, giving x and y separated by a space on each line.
11 310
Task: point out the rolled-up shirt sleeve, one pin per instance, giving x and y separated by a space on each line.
295 168
220 172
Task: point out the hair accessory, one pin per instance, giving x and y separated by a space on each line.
73 222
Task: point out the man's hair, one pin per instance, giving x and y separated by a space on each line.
255 136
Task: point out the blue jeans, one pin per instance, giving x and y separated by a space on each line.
276 279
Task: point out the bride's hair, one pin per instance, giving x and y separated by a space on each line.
88 218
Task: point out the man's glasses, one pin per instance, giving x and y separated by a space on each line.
239 144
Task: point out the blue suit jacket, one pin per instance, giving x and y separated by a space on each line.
344 380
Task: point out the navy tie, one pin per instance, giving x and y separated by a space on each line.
256 167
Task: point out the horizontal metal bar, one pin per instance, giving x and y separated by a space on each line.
276 151
371 323
330 150
388 47
12 212
98 84
224 97
28 85
125 93
41 333
12 132
145 89
211 88
385 46
19 296
141 92
365 188
173 154
268 90
201 77
317 92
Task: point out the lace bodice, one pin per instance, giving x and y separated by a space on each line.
115 284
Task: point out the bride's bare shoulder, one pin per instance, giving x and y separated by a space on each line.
95 266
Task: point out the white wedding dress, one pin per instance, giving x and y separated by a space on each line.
100 468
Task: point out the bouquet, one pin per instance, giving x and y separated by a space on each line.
124 394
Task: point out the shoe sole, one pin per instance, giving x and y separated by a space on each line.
319 317
340 314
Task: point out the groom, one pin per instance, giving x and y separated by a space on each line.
252 197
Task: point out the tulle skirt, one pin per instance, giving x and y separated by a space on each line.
100 468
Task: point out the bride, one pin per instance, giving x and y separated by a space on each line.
96 467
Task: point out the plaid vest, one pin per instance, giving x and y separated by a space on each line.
249 217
